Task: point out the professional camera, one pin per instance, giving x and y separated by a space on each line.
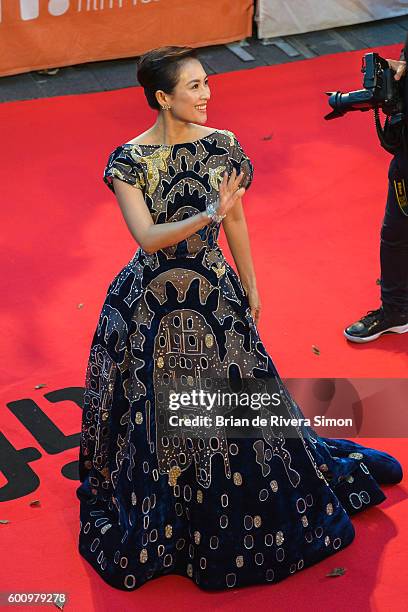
381 91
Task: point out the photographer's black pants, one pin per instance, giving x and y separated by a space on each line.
394 237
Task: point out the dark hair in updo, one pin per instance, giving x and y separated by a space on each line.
159 69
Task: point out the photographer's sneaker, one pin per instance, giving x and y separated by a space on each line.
377 322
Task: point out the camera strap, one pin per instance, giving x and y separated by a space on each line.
392 136
401 195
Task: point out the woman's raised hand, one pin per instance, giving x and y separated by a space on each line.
230 191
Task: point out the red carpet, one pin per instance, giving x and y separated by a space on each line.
314 214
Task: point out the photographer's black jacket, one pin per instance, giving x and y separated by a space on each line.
404 51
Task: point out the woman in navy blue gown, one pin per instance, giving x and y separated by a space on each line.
225 511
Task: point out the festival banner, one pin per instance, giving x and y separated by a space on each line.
37 34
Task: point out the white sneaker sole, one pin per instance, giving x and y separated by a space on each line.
398 329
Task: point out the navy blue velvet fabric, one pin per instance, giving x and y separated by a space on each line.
224 512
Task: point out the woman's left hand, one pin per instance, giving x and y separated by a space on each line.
254 302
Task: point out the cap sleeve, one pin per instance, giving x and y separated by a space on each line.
124 166
241 162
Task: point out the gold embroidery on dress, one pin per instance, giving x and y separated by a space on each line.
122 176
155 162
216 176
230 134
174 473
219 269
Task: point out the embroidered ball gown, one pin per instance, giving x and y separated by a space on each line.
225 512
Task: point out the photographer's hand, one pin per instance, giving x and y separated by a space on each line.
399 68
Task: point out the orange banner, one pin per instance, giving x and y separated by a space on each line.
37 34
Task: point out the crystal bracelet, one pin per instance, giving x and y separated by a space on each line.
212 213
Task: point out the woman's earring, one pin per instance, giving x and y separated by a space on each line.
166 107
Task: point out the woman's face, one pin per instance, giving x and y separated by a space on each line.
190 96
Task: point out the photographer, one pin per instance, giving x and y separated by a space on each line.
392 316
